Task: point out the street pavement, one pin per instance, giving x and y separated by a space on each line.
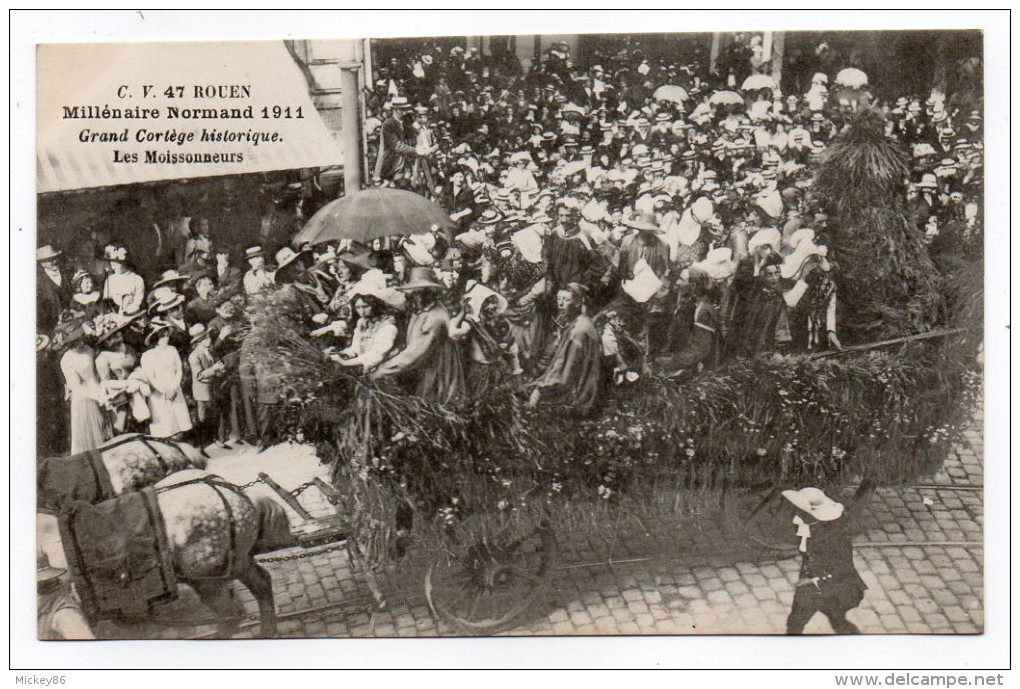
920 552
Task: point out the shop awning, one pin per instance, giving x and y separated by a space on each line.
111 114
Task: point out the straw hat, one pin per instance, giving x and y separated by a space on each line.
928 181
164 299
41 342
158 328
46 253
490 217
253 251
816 503
421 277
477 294
168 277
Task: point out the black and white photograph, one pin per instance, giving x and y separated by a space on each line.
590 334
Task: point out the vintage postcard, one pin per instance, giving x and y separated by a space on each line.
671 334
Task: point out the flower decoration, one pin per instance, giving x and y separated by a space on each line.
112 252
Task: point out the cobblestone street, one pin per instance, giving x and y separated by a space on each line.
920 552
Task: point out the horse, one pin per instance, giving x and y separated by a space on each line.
125 464
214 532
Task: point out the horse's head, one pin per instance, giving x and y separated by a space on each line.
274 526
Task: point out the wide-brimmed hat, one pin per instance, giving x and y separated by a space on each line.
472 239
198 275
418 248
169 277
420 277
197 332
816 503
361 260
163 299
46 253
44 571
373 284
529 243
490 216
770 201
804 250
68 332
291 264
287 256
717 265
115 252
643 221
768 237
477 294
158 326
110 324
643 284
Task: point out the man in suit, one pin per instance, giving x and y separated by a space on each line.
394 151
52 289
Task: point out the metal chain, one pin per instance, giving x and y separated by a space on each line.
302 488
303 555
250 484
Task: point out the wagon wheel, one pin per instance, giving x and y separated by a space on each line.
487 583
758 512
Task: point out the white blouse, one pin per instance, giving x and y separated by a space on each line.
373 339
126 290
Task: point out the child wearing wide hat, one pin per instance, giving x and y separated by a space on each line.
829 583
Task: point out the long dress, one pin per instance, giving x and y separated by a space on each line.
112 368
572 378
168 409
430 364
89 427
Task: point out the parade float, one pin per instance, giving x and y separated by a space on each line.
483 487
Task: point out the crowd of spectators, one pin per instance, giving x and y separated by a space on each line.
610 219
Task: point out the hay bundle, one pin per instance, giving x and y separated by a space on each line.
888 284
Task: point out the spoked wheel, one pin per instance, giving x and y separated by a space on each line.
760 514
491 581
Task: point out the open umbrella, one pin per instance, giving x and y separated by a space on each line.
851 78
758 81
726 98
373 213
674 94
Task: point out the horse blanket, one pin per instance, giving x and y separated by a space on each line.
118 555
62 480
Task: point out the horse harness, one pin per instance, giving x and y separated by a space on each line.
216 483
